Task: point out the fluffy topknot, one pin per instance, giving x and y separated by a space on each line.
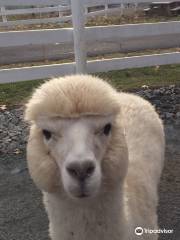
72 96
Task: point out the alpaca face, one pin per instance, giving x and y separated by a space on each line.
78 146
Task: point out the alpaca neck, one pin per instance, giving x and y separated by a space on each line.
100 218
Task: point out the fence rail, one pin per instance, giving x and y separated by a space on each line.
30 37
132 30
33 2
102 2
54 70
133 62
34 10
36 21
80 36
99 33
67 2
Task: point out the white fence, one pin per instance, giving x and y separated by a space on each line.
5 13
60 9
81 35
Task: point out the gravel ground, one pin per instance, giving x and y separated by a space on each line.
21 212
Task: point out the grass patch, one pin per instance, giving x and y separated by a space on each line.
116 19
18 93
150 76
132 19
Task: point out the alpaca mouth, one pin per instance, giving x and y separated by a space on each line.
83 195
82 192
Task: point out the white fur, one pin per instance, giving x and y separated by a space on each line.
123 190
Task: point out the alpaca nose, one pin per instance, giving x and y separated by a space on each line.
81 170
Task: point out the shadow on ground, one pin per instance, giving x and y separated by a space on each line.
22 216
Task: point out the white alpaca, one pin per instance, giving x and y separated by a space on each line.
97 156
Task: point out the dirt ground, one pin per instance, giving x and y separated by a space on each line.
22 216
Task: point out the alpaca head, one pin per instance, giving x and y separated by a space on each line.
75 137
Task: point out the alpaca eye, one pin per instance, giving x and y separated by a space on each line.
47 134
107 129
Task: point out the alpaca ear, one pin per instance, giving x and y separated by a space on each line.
42 168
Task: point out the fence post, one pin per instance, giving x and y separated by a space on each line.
106 9
78 19
3 10
122 9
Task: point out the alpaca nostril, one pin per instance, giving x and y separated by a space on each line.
90 170
72 171
81 171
